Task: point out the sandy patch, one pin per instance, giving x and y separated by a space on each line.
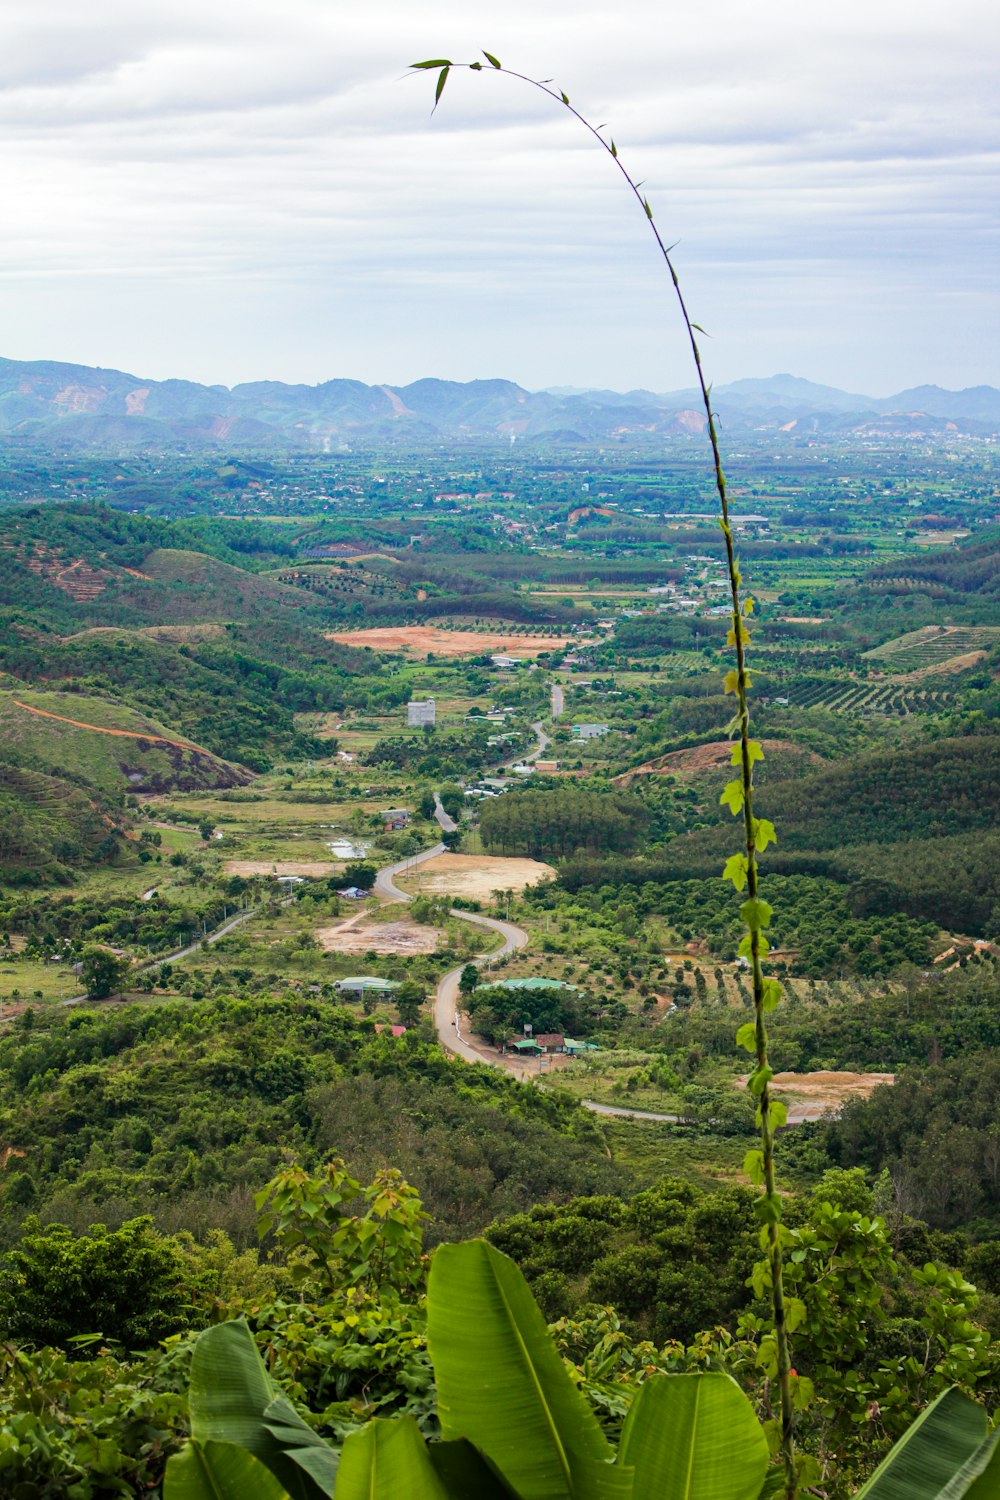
379 937
307 868
809 1096
419 639
476 876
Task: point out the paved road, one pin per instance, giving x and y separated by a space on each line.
446 1014
446 822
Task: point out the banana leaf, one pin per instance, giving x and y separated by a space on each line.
694 1437
502 1385
219 1471
940 1457
233 1400
388 1461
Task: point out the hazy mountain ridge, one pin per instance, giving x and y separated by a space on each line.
51 405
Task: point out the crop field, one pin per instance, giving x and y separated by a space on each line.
933 645
841 696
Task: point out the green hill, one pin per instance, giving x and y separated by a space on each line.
104 745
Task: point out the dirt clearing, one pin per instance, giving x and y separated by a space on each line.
306 868
706 758
379 937
809 1096
476 876
418 640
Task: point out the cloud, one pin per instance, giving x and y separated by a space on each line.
828 172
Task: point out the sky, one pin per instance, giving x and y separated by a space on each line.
227 191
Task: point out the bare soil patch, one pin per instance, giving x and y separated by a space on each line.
307 868
809 1096
706 758
476 876
379 937
937 668
417 640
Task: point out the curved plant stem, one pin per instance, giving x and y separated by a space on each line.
748 751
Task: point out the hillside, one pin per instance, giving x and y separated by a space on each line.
105 745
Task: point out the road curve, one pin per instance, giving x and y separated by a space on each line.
446 1012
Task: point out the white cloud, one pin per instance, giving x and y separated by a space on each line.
230 191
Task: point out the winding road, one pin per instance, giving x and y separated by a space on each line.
447 1017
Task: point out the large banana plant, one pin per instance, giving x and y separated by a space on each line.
515 1427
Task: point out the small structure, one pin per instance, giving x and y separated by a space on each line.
534 982
363 984
353 893
505 663
573 1048
547 766
394 818
396 1030
421 711
589 731
551 1041
525 1047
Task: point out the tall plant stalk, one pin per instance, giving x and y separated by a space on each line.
742 868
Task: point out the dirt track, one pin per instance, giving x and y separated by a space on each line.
125 734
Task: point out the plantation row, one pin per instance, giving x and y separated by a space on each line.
866 698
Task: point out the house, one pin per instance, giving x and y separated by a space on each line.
421 711
551 1041
353 893
396 1030
547 766
504 663
362 984
589 731
526 1047
394 818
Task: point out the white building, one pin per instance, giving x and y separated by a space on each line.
421 711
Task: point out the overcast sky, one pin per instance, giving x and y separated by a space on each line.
236 191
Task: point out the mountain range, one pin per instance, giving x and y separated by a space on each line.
60 407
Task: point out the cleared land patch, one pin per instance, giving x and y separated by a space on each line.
404 938
706 758
809 1096
307 869
419 639
476 876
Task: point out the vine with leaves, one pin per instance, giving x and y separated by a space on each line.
741 868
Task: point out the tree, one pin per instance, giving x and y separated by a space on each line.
360 874
410 999
468 979
125 1284
102 971
206 829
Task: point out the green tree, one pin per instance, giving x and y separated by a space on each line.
125 1284
410 999
468 979
102 971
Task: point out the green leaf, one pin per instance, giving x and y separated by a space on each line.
753 1166
731 681
763 834
694 1437
502 1385
735 869
614 149
434 62
754 753
928 1461
564 97
465 1473
756 913
733 796
777 1114
385 1461
493 61
230 1393
772 994
795 1311
649 211
746 1037
442 80
759 1079
302 1445
219 1471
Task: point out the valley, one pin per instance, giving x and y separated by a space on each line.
368 805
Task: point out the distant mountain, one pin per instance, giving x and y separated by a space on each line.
76 408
